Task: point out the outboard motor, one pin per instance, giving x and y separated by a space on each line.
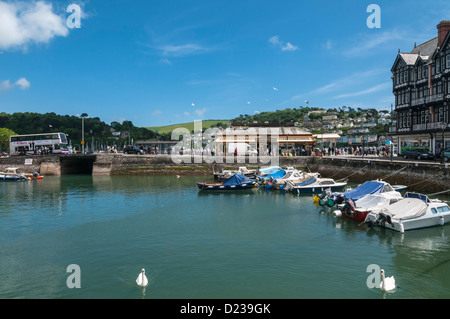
339 199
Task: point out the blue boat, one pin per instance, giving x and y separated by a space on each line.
235 182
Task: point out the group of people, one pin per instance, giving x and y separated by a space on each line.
383 151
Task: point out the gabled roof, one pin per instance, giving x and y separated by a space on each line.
426 48
408 58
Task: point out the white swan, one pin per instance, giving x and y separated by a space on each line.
142 279
387 284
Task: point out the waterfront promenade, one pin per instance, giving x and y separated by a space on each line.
425 175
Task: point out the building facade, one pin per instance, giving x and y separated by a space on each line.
421 86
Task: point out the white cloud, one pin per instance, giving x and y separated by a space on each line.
275 40
24 23
23 83
6 86
200 112
182 50
328 45
363 92
370 42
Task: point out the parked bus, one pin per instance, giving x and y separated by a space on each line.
36 144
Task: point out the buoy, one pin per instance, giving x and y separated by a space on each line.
337 213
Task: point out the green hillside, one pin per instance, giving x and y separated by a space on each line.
189 126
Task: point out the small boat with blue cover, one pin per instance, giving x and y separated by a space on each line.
235 182
366 188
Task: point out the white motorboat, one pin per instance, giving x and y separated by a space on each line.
292 175
315 184
414 211
226 174
12 174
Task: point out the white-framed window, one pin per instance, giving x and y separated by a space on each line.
424 71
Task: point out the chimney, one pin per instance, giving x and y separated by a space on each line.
443 28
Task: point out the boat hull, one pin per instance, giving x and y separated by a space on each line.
418 223
12 178
221 187
306 190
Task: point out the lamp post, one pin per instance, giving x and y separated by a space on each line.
443 127
83 116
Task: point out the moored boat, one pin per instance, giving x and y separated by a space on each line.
414 211
226 174
292 175
12 174
366 188
359 209
235 182
315 184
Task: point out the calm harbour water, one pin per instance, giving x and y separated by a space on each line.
253 244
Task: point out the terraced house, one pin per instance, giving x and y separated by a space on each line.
421 85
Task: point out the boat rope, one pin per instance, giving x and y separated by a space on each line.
438 193
387 176
339 170
427 180
351 174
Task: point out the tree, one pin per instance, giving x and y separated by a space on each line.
4 139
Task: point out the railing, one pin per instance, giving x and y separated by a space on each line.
427 99
427 126
420 127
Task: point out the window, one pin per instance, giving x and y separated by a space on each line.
438 65
439 88
443 209
424 71
433 69
448 61
405 76
398 78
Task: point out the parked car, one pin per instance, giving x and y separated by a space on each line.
418 153
446 154
132 150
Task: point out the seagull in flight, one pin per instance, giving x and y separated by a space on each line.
275 89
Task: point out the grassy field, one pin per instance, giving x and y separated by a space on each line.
190 126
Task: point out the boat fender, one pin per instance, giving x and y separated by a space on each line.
337 213
441 220
402 228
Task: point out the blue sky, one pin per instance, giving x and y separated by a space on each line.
165 62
